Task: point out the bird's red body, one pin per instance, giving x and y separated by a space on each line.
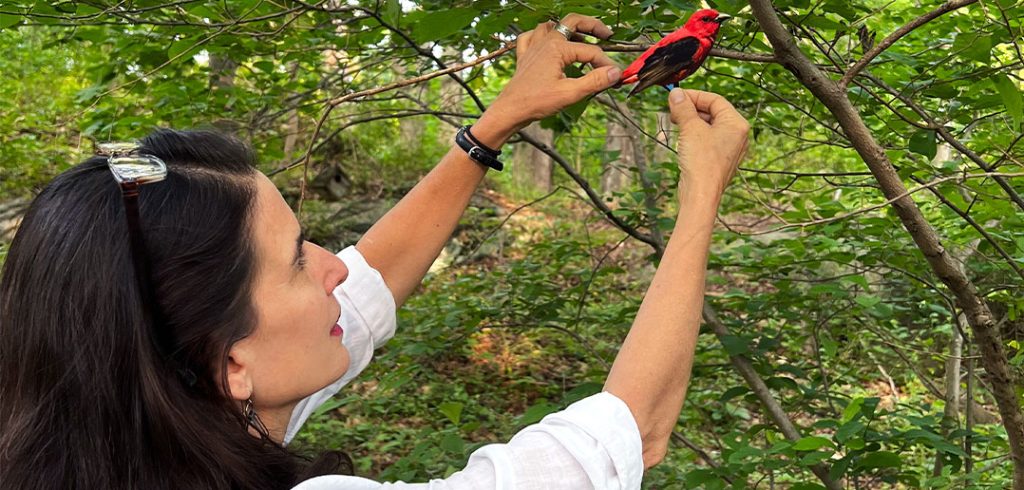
677 55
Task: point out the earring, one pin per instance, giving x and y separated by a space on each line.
252 419
249 412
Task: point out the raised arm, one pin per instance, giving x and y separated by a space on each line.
652 369
404 243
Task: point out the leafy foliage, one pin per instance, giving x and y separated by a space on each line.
821 287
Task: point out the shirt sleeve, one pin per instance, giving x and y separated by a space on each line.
368 319
367 311
593 444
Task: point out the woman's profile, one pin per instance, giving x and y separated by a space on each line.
165 324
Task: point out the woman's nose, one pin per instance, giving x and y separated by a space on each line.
334 271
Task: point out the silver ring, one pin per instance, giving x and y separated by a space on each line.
563 30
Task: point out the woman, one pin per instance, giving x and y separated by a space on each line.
185 349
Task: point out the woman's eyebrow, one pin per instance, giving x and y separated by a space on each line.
298 248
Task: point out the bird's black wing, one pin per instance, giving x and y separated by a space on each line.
661 67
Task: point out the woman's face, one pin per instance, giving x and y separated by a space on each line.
296 346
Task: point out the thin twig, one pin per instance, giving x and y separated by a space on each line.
888 201
897 34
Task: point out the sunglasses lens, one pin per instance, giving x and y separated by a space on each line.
138 168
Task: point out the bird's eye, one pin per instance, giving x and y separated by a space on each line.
709 19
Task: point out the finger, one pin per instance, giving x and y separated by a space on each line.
523 43
682 107
717 106
585 53
588 25
597 80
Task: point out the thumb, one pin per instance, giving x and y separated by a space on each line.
681 106
598 79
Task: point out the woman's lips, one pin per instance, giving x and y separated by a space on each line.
336 331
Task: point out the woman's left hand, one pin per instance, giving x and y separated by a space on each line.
539 87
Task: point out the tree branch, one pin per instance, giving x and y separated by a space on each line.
899 33
949 138
977 226
975 307
591 193
761 391
430 55
716 52
331 104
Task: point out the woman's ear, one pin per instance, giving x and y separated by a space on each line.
239 372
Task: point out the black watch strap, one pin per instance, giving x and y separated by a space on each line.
477 151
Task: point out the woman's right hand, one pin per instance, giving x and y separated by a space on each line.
539 87
712 141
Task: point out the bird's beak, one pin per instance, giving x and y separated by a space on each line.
722 18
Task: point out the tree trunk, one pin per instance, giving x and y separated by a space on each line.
976 309
617 172
451 98
951 413
532 167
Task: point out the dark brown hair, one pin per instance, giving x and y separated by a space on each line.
85 399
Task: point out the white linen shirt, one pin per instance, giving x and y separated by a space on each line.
594 443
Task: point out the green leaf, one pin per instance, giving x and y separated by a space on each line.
492 23
839 468
811 443
8 20
848 430
392 12
831 347
582 391
536 412
66 7
880 459
807 486
867 300
946 447
330 405
745 452
1011 96
433 26
733 393
973 46
453 443
700 478
813 458
184 47
923 143
734 345
451 410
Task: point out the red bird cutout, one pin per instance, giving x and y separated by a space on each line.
677 55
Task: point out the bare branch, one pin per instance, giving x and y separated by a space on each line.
331 104
591 193
889 40
977 226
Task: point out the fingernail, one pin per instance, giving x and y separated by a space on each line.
676 95
614 75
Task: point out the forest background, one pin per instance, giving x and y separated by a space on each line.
864 316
